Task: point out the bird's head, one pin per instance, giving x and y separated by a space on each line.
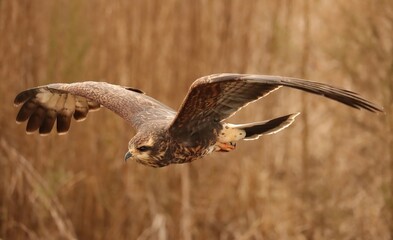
147 149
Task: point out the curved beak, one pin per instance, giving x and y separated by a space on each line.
127 156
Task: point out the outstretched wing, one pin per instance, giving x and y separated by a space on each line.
43 106
214 98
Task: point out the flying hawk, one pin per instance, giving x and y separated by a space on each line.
165 136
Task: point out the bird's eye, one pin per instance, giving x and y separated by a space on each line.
143 148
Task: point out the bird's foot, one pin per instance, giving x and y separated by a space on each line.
225 147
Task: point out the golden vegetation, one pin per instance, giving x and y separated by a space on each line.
328 176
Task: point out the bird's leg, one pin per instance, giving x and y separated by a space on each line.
225 147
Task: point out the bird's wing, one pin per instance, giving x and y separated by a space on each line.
42 106
212 99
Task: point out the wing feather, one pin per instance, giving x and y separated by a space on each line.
35 120
212 99
81 108
59 102
48 123
27 109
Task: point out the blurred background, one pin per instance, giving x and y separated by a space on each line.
328 176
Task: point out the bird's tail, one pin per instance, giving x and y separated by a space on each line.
257 129
231 133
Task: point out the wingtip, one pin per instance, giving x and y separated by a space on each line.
17 100
23 97
371 108
380 110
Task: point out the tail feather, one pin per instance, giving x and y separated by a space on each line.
256 129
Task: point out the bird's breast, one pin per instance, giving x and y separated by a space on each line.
184 154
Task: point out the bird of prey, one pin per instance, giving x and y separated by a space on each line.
164 136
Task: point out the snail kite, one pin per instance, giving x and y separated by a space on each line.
165 136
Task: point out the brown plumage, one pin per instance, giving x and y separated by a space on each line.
165 136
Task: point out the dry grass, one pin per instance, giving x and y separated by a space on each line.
329 176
